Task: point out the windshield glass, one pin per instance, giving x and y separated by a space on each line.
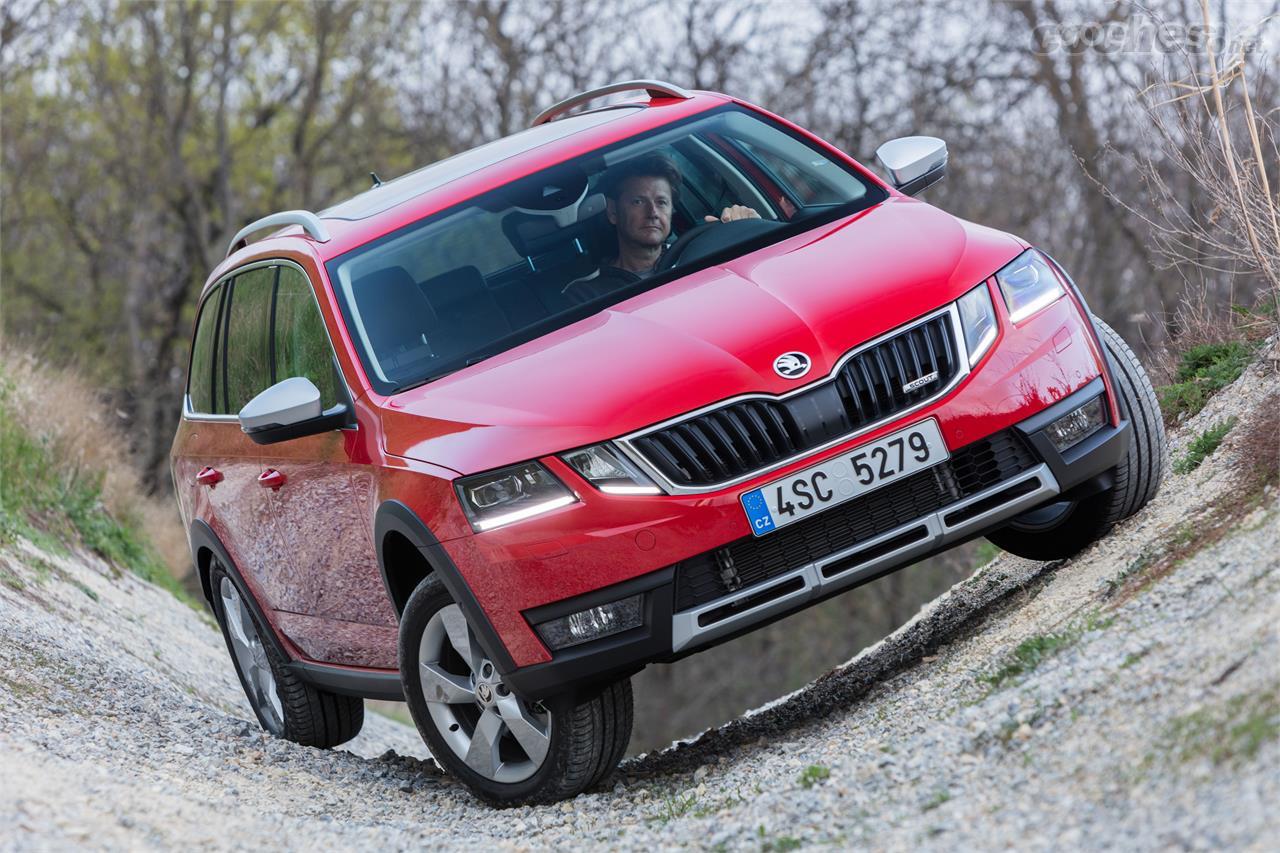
561 244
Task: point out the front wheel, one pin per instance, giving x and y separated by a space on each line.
1062 529
507 750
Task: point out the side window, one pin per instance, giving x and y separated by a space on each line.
246 355
301 343
201 381
806 186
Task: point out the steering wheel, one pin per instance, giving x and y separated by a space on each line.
708 238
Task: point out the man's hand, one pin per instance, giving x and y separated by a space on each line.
737 211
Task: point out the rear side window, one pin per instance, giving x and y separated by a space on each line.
246 354
202 381
301 343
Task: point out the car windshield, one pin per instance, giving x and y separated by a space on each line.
561 244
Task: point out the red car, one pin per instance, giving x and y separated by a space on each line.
492 436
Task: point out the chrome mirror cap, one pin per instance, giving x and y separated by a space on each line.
291 401
913 162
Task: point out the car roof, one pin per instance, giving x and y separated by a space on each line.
420 193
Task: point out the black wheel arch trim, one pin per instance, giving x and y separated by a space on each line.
394 517
203 537
334 679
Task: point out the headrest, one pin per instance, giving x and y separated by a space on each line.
592 205
390 302
528 233
455 286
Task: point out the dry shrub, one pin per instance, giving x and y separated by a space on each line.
1210 163
87 442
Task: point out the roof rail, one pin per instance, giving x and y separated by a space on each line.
655 88
308 220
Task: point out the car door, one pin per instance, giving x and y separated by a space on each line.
330 593
216 466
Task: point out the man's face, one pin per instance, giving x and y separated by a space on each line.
642 211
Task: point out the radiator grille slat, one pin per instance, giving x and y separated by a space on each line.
740 438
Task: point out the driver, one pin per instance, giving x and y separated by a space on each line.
639 196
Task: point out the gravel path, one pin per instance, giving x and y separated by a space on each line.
1128 698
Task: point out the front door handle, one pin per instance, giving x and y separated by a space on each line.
208 477
271 479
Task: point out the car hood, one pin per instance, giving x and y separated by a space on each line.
711 335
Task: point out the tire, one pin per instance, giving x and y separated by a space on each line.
507 750
1063 529
286 706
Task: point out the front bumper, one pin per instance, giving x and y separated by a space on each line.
686 612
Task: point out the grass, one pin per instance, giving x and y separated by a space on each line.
55 478
1133 657
1033 651
939 797
1255 473
1203 446
985 553
777 845
675 806
813 774
1203 371
1228 733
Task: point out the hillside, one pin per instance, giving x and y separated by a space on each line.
1129 697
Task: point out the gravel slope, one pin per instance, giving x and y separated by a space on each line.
1151 718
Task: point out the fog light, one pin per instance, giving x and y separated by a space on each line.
586 625
1071 429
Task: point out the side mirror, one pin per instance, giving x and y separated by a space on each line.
290 409
913 163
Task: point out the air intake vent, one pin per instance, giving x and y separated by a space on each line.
970 469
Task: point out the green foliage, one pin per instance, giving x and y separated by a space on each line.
1203 371
939 797
776 845
676 805
1203 446
45 497
1133 657
1029 654
1229 733
813 774
985 553
1033 651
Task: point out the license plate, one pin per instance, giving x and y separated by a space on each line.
845 477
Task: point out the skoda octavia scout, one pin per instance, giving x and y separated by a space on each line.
492 436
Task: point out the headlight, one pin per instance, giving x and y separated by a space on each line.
978 318
607 470
1028 284
510 494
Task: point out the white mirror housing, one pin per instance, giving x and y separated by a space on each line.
913 163
289 402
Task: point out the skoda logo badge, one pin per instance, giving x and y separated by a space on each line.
792 365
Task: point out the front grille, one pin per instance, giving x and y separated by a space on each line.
749 435
752 560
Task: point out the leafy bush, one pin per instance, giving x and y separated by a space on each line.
1202 446
1203 371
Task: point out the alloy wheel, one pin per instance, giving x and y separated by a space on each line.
251 656
496 733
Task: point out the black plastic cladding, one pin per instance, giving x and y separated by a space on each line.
748 435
